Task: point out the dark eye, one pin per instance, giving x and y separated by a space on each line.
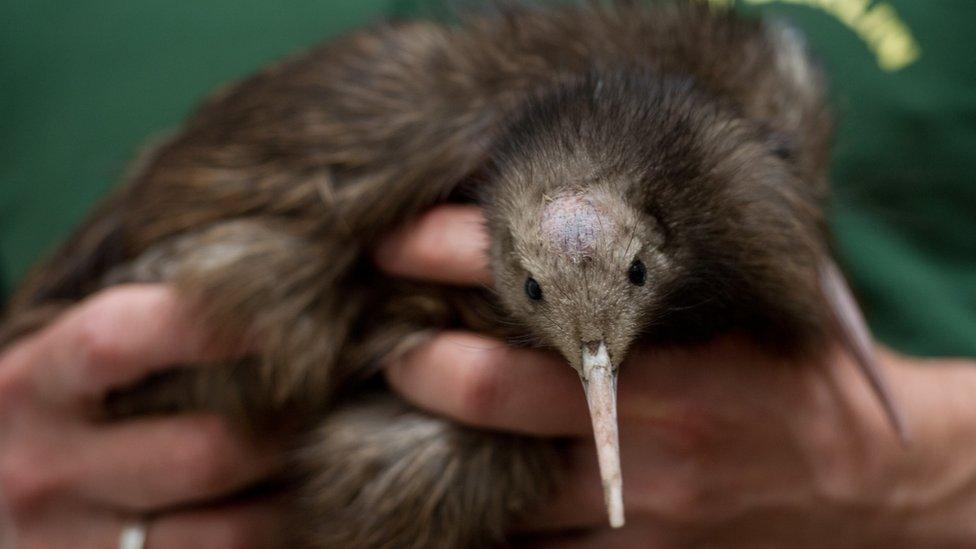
637 273
532 289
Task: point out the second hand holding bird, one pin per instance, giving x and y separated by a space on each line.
719 443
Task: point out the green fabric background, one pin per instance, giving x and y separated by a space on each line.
83 84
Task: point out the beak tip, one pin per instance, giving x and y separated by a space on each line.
615 507
600 385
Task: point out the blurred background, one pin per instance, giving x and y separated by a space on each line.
84 84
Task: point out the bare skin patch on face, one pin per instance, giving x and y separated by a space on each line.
574 225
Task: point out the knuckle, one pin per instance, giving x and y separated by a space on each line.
679 500
687 502
14 385
26 482
481 389
429 245
98 345
238 535
103 321
197 456
427 252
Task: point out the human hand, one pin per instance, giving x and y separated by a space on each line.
69 481
722 445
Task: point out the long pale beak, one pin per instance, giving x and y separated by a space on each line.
600 383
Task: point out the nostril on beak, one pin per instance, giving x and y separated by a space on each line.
592 346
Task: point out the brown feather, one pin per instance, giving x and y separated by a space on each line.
705 131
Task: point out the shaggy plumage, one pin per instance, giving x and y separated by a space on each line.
691 141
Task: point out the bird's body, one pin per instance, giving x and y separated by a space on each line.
608 145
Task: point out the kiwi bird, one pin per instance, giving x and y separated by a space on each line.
647 172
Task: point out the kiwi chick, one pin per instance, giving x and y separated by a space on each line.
648 173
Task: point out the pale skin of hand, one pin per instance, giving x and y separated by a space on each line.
69 481
721 445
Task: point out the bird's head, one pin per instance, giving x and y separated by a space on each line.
579 268
620 205
578 265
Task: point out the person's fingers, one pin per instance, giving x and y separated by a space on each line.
256 524
642 536
154 463
483 382
447 244
113 339
577 503
253 523
660 480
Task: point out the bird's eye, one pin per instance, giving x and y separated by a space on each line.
532 289
637 273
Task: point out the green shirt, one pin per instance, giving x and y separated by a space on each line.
82 85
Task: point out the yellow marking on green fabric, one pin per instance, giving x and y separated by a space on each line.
877 24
